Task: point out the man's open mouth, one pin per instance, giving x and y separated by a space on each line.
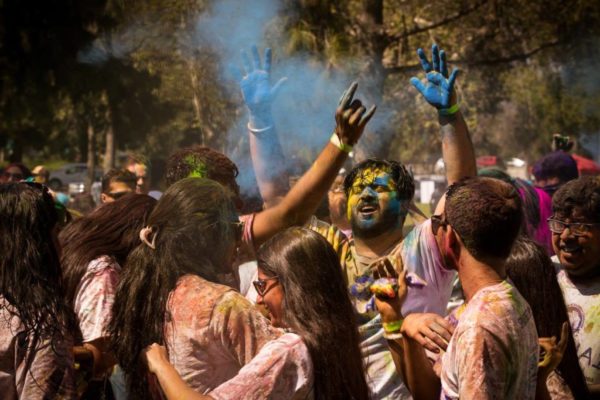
570 249
367 209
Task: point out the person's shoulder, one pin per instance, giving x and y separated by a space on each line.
495 307
197 289
103 264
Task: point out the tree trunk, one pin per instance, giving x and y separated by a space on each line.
91 155
109 151
196 98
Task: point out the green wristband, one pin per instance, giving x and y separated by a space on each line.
449 111
392 327
335 140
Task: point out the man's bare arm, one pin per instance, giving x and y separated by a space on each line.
438 90
304 198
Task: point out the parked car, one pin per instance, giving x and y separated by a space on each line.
71 173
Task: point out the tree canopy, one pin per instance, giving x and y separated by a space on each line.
153 76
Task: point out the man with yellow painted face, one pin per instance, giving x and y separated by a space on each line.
379 194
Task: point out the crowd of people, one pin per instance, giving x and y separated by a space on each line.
177 295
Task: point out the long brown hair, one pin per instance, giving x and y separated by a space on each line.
317 307
194 226
111 230
29 263
532 272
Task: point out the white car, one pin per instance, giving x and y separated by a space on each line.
71 173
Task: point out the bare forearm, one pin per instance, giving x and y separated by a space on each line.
419 376
174 387
397 352
457 148
269 166
303 199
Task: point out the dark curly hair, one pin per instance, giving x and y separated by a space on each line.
582 193
202 162
30 273
400 175
486 213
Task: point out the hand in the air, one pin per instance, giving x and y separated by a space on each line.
256 85
351 117
438 88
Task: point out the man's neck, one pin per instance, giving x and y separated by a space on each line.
475 275
377 246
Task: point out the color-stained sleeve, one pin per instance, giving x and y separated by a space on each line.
421 255
334 236
247 236
94 301
281 370
483 365
239 327
46 371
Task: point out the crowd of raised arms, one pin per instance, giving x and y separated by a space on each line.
495 296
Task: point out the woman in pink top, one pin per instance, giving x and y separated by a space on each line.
95 248
170 292
301 285
36 324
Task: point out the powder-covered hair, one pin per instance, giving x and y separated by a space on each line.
486 214
194 226
401 177
202 162
317 307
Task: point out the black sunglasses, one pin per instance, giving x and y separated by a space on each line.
261 285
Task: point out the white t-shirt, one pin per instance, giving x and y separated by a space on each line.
493 353
583 305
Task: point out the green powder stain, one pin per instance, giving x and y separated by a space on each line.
197 168
592 320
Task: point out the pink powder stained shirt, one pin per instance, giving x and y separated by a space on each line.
211 332
281 370
493 353
95 296
33 369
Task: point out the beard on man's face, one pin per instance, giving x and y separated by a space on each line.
386 221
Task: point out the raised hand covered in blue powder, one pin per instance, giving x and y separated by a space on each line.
438 88
256 88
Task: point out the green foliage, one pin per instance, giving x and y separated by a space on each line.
136 68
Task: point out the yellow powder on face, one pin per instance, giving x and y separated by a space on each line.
362 180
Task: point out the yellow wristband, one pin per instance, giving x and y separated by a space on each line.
335 140
449 111
392 327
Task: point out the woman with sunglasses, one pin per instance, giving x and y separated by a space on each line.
301 285
95 248
171 293
36 324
